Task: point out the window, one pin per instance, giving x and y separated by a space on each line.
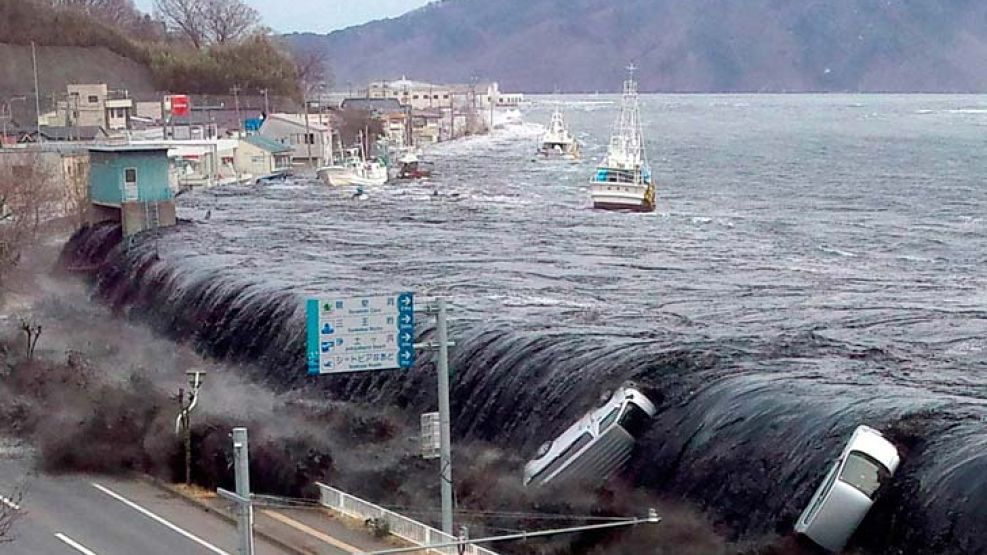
436 97
310 139
415 97
130 192
609 419
821 494
93 99
445 96
864 473
565 456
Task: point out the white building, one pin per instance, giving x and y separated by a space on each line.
429 96
95 106
311 143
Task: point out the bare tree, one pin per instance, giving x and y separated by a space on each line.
28 198
121 13
228 20
183 17
205 22
312 63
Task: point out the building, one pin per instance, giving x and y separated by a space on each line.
395 117
131 184
95 106
62 134
261 157
311 141
430 96
426 127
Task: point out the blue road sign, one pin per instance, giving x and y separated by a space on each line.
359 334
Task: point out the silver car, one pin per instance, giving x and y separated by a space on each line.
597 445
840 503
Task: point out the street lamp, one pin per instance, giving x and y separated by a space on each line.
183 422
7 115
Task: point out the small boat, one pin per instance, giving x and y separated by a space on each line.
623 179
411 167
354 169
558 142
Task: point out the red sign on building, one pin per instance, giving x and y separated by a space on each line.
180 104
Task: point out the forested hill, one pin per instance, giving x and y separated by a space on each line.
680 45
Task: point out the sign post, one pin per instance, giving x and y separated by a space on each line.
359 334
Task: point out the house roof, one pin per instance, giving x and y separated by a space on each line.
314 122
62 133
264 143
382 105
128 148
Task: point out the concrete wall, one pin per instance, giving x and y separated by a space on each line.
139 216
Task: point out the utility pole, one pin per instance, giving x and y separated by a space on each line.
37 90
267 102
236 104
309 139
445 439
183 424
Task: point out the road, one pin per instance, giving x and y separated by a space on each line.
90 515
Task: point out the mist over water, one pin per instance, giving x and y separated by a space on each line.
817 262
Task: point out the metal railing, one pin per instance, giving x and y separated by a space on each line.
399 525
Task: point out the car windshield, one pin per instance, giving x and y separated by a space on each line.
609 419
864 473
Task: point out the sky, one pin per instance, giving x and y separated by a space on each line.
320 16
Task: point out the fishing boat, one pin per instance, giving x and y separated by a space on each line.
354 169
411 167
623 179
558 142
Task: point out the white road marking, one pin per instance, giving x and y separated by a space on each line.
74 544
10 503
159 520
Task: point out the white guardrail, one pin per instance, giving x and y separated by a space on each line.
400 526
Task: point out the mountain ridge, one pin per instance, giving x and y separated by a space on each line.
680 45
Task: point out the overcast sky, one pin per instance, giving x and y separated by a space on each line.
320 16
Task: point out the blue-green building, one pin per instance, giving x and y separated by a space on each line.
131 184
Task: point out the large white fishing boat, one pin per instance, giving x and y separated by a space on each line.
354 169
623 179
558 142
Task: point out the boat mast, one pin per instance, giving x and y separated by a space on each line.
627 141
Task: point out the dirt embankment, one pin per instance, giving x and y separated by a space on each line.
59 66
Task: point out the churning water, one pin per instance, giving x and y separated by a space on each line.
816 262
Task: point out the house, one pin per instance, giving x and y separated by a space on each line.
311 140
130 184
395 117
426 127
261 157
95 106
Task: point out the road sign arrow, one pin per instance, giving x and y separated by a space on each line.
406 337
406 319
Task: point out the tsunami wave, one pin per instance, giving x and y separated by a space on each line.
746 425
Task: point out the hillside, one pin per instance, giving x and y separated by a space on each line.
61 65
680 45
